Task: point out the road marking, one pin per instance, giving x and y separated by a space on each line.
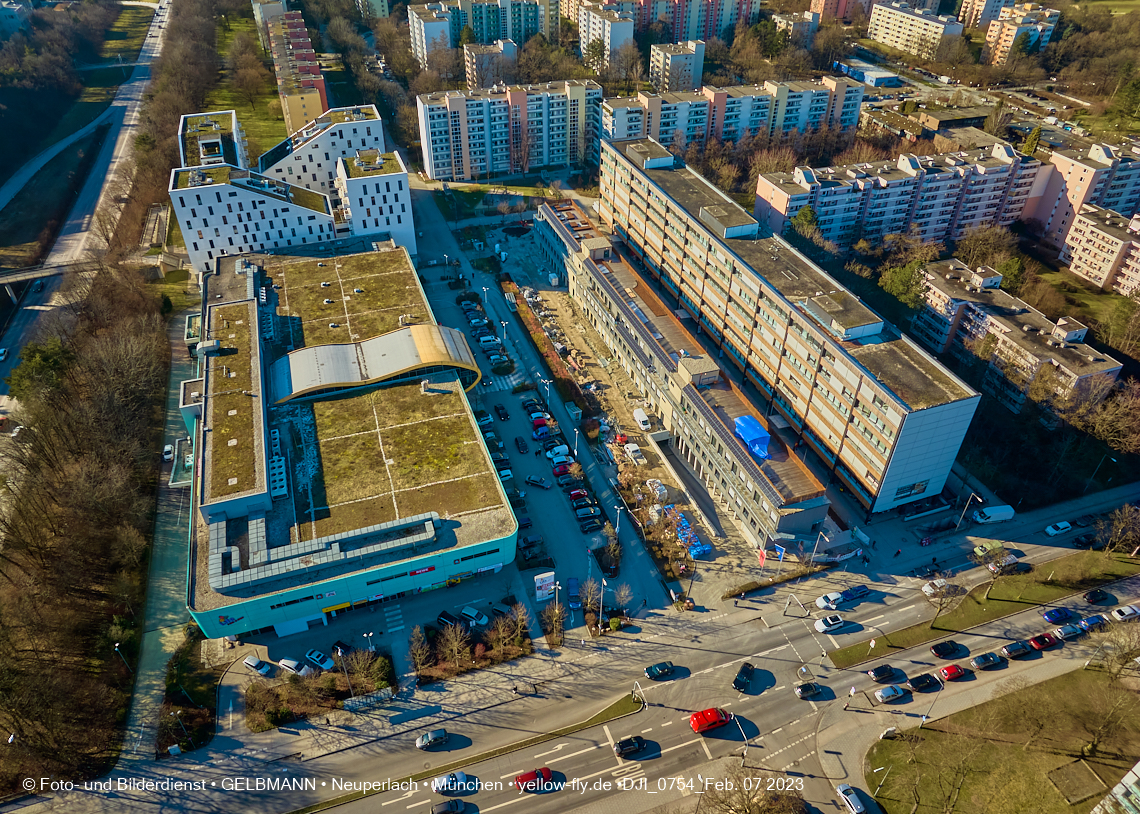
687 743
774 731
667 723
557 748
609 738
405 796
705 744
814 706
781 687
875 618
646 730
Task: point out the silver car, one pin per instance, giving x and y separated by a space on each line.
436 737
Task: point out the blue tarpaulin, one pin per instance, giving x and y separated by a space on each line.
754 435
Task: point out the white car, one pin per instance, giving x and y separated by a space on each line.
829 624
168 452
890 693
1125 613
1058 528
829 601
850 798
320 659
474 617
295 667
257 665
455 781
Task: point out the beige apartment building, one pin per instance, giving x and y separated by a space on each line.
941 195
679 67
968 315
917 31
980 13
885 416
1030 19
489 65
1103 247
300 83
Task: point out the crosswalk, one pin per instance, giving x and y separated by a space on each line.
393 618
495 384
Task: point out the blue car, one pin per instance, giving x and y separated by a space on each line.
1056 615
1090 623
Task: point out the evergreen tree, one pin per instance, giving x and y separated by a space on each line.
1029 146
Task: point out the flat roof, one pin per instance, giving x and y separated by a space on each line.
372 162
203 128
198 177
389 288
338 115
499 92
1110 222
887 355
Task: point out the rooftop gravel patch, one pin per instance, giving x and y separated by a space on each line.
478 491
351 415
233 465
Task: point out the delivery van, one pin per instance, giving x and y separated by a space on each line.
994 514
642 419
573 598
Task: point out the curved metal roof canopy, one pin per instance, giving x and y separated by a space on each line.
323 369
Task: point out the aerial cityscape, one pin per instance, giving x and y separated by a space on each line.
725 406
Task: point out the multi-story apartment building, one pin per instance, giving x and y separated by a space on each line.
300 83
370 9
613 29
1106 176
1030 19
439 24
489 65
801 27
941 196
776 108
682 385
980 13
621 6
264 11
906 28
881 413
308 158
508 129
968 315
678 67
830 9
705 19
1103 247
296 197
374 197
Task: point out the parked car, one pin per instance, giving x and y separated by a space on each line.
882 673
629 746
562 460
590 526
341 649
829 624
446 618
1125 613
452 782
1015 650
1058 528
951 672
708 719
1085 520
850 798
569 483
582 503
1055 615
436 737
1066 632
1084 541
560 470
923 682
892 692
660 670
1091 623
320 659
1042 642
505 475
587 513
258 666
474 617
537 780
743 677
535 480
296 667
944 650
3 354
168 452
985 661
808 690
521 446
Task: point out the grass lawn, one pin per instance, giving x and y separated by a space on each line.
263 129
1093 303
174 239
1024 751
125 39
1116 6
31 220
1047 583
175 285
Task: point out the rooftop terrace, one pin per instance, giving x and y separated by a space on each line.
208 138
270 187
338 115
367 163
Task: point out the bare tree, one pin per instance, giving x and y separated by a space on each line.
623 595
553 619
419 650
1109 709
454 644
943 596
1120 645
591 595
249 82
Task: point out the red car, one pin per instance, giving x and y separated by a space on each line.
951 672
578 494
708 719
1042 642
561 469
534 780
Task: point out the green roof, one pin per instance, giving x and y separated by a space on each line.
206 127
372 162
270 187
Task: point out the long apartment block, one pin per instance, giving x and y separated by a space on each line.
686 390
330 181
883 414
774 108
508 129
440 24
300 83
1034 21
941 195
917 31
1103 247
1026 350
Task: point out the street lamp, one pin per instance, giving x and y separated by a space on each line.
617 526
575 442
884 780
344 667
124 658
546 382
814 550
368 638
1091 479
745 737
964 508
178 717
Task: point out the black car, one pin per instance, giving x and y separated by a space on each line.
944 650
583 503
446 618
629 746
1096 596
660 670
590 526
501 412
518 503
553 441
808 690
569 483
1084 540
521 444
452 806
743 677
341 649
1084 521
922 683
1015 650
882 673
530 406
985 661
